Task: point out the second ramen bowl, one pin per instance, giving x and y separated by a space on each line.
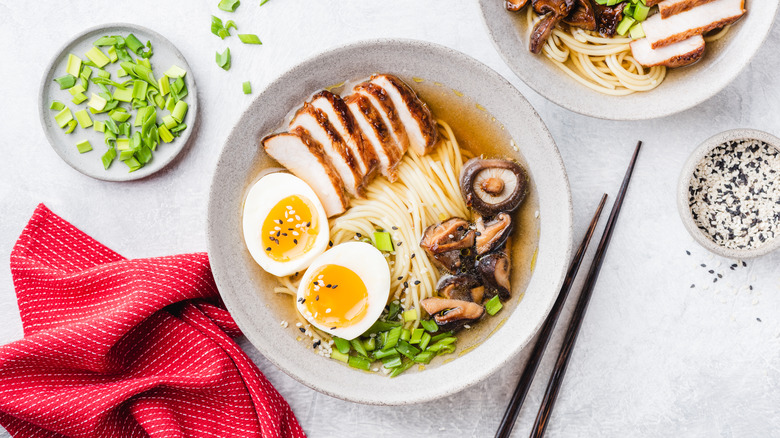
248 291
683 88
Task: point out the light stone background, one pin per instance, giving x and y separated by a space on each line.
654 357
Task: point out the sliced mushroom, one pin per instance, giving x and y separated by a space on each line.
583 15
494 269
452 314
494 185
445 241
515 5
555 11
608 18
493 234
460 287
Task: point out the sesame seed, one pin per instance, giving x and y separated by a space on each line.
302 330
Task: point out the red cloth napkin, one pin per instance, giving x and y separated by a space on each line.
126 348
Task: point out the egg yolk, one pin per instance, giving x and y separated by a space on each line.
290 229
336 297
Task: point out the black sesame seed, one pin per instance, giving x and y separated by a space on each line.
688 252
703 265
329 286
413 254
751 287
295 241
406 284
330 243
395 228
335 286
692 286
758 319
714 280
416 282
400 243
317 298
303 330
358 235
316 344
400 278
720 276
268 249
711 271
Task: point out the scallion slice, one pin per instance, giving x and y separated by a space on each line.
71 126
223 59
410 315
105 41
97 103
405 366
56 105
339 356
416 336
393 336
247 87
97 57
98 126
73 66
359 362
165 134
263 2
624 25
392 362
383 241
229 5
342 345
230 24
82 116
381 354
424 341
175 72
493 305
248 38
66 81
429 325
358 346
406 335
179 111
424 357
79 98
63 117
108 157
83 146
637 31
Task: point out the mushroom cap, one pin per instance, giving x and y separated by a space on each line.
495 269
493 234
445 241
491 186
452 314
460 287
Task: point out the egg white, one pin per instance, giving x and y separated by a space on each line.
370 265
262 197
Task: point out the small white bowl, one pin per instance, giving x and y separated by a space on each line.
685 180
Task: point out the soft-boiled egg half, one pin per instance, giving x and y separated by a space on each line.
285 226
345 289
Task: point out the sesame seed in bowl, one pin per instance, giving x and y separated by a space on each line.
729 194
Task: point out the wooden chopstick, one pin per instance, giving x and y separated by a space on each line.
554 385
516 402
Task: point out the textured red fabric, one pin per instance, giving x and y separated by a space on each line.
126 348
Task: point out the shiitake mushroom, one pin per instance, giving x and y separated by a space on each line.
491 186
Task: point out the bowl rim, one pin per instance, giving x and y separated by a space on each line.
616 112
566 225
157 164
684 183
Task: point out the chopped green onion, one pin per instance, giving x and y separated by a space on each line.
383 241
405 366
71 126
165 134
625 25
640 12
139 89
247 87
410 315
120 73
123 144
79 98
105 41
169 121
342 345
407 350
441 336
108 157
370 344
178 128
628 10
249 38
84 146
112 54
175 72
73 67
125 95
358 346
140 71
416 336
133 165
179 111
97 103
134 44
56 105
223 59
426 338
144 154
127 153
382 354
119 115
98 126
165 85
63 117
392 361
76 89
429 325
66 81
393 310
218 29
263 2
392 338
97 57
637 31
493 305
406 335
111 126
229 24
229 5
82 116
424 357
335 354
359 362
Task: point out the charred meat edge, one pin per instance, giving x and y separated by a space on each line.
380 130
419 111
396 127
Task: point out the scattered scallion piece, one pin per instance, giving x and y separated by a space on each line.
406 335
637 31
169 121
229 5
382 354
358 346
84 146
73 67
124 95
218 29
66 81
410 315
230 24
404 366
108 157
383 241
426 338
392 338
97 103
263 2
70 126
165 134
392 362
640 12
248 38
359 362
82 116
335 354
175 72
98 126
429 325
63 117
79 98
370 344
247 87
342 345
223 59
133 164
424 357
97 57
624 25
493 305
416 336
179 111
56 105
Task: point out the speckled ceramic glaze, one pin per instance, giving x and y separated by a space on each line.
685 182
683 88
90 163
247 290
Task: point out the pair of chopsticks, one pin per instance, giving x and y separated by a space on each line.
554 384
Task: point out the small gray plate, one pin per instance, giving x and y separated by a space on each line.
90 163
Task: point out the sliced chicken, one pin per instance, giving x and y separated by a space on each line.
652 3
342 120
302 156
417 119
375 134
665 31
675 55
384 106
315 123
667 8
